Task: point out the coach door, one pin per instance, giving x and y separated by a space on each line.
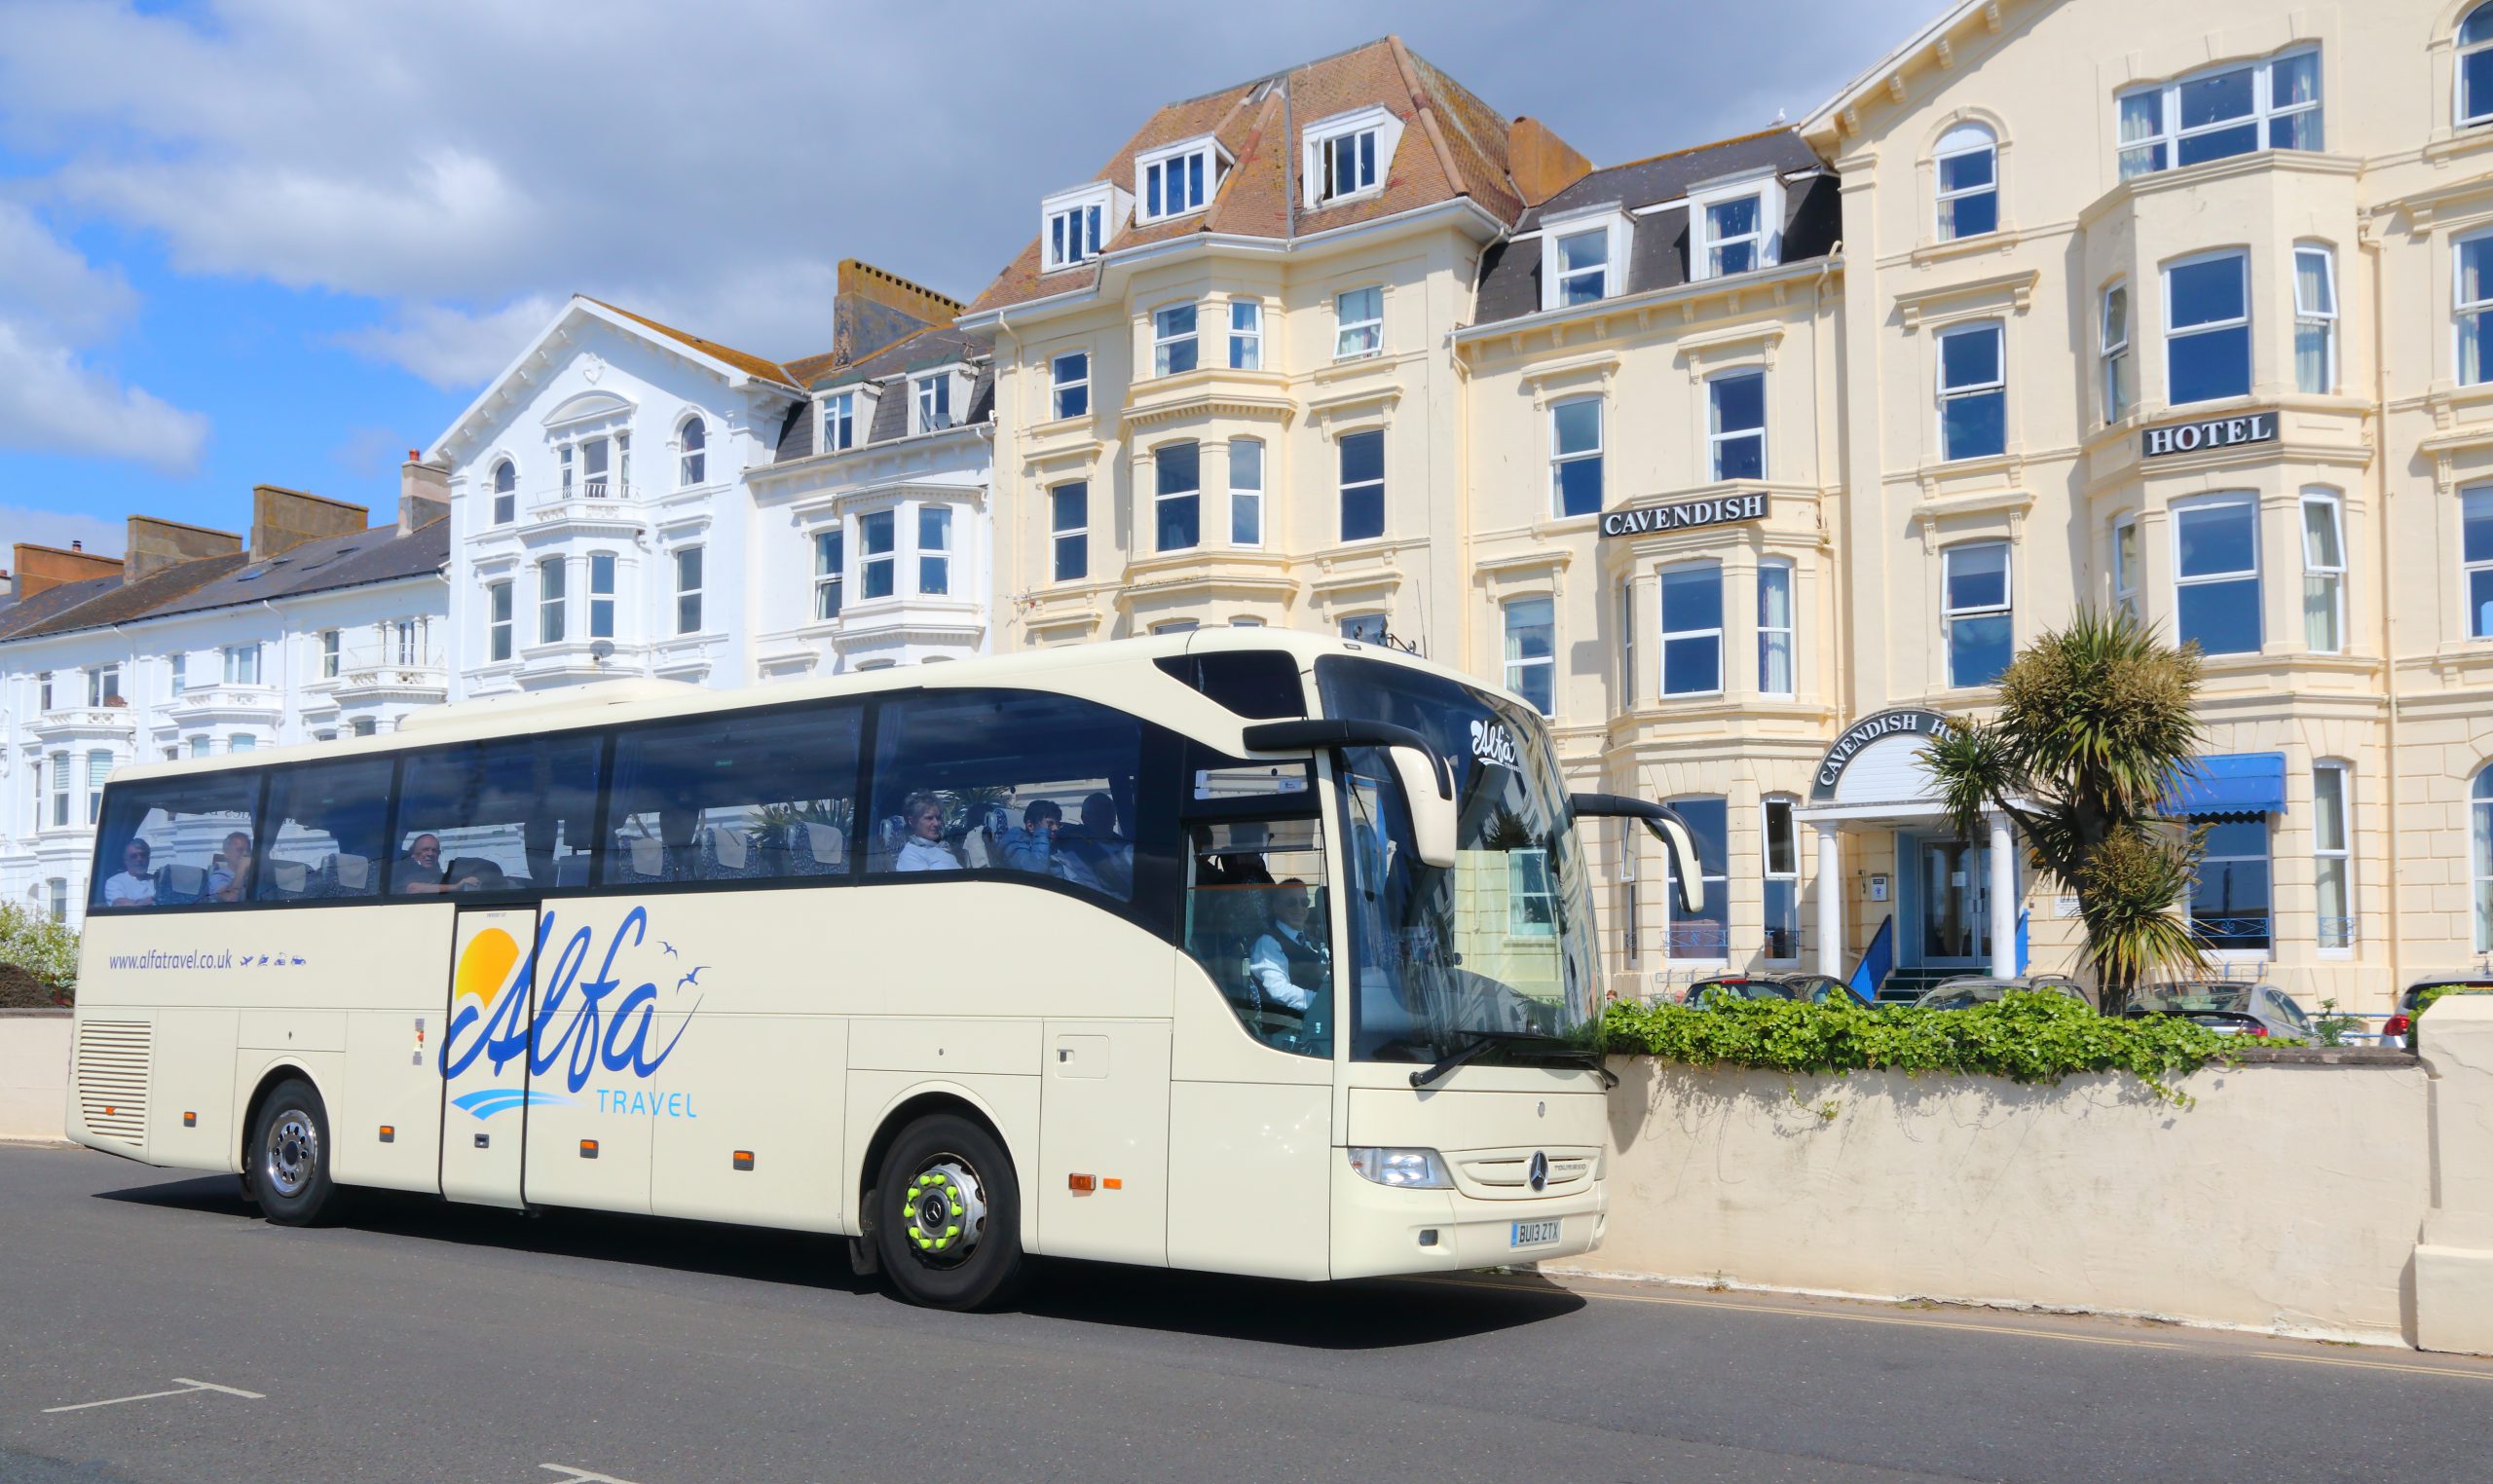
484 1055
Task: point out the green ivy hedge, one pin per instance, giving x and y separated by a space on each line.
2022 1037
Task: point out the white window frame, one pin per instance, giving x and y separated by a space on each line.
1165 168
2472 317
100 767
830 559
1062 387
839 422
59 817
930 401
2126 555
689 587
1789 876
1161 498
1716 437
553 600
2318 572
179 679
1662 611
1060 532
1318 137
2165 143
2340 855
499 618
2317 318
1245 334
1522 866
1704 248
1560 456
2251 501
1517 669
2464 48
1966 138
2479 830
2175 334
242 664
691 458
1091 215
871 563
1247 461
1609 276
1996 386
1949 615
602 578
58 889
1362 338
1770 633
506 493
103 684
1166 338
2476 623
2120 383
934 533
1628 687
330 658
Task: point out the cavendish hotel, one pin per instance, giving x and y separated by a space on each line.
1750 463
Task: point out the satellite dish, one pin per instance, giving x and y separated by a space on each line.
602 651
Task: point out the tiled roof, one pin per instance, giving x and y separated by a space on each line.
378 554
130 600
750 365
52 602
935 345
1453 146
1658 257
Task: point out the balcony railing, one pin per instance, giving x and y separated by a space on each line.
418 682
84 721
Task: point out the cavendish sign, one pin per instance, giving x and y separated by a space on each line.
1684 515
1909 722
2212 432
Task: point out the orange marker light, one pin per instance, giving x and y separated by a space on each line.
190 1120
389 1133
588 1149
1080 1185
743 1158
1113 1183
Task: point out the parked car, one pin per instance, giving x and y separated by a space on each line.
1824 989
1965 991
1733 987
2400 1027
2228 1007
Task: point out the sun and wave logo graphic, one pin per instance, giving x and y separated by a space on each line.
488 968
578 1021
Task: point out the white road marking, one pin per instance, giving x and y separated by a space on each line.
186 1388
572 1475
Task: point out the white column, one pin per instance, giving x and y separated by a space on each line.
1830 904
2003 899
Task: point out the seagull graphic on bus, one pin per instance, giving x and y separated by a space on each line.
581 1026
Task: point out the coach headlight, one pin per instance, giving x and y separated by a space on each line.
1405 1168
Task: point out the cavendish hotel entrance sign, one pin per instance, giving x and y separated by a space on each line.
1928 724
1684 515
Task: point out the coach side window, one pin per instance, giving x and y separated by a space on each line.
1020 781
495 816
329 832
734 796
173 842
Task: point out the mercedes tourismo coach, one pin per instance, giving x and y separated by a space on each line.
1241 950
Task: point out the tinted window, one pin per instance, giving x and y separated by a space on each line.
1261 684
330 832
493 816
1006 780
735 798
194 840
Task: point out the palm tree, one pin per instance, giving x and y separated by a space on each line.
2094 725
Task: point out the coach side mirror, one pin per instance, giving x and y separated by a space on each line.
1435 821
1666 826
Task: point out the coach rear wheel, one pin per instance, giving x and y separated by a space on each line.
289 1156
947 1221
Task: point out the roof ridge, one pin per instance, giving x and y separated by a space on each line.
1422 103
702 343
1769 131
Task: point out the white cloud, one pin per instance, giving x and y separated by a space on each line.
52 402
59 528
45 280
451 346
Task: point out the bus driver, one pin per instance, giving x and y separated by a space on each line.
1285 969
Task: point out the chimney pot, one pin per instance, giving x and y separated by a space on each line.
76 545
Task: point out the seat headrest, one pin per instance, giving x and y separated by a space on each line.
732 846
355 872
828 846
649 857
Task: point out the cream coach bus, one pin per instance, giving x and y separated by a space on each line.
1243 950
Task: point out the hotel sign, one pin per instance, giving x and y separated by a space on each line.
1685 515
1927 725
2213 432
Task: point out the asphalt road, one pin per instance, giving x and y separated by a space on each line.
427 1342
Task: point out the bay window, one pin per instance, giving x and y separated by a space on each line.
497 621
2215 566
2479 835
2125 568
550 601
1976 614
2229 905
1246 335
2120 372
601 595
934 550
1173 338
61 791
2207 328
2332 853
99 769
1177 498
876 574
2476 559
1692 629
2324 572
1775 627
1705 934
2315 320
1780 838
1245 492
2223 111
2473 263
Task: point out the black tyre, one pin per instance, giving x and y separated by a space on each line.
288 1157
947 1215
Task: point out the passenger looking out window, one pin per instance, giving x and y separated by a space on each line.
1031 844
1093 854
135 883
421 872
231 873
923 848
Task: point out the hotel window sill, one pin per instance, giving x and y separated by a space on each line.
1999 240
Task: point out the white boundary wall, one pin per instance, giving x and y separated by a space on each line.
34 1073
2283 1198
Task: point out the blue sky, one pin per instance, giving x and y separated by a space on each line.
283 241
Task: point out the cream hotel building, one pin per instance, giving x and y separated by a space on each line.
1746 461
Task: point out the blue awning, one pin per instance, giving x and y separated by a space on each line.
2229 784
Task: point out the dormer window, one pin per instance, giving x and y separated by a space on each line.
1734 226
1584 257
934 401
839 422
1176 180
1074 224
1350 155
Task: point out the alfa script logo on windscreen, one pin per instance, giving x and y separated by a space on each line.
1493 744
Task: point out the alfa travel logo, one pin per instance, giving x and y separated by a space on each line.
581 1026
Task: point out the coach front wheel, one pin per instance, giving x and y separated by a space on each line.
947 1215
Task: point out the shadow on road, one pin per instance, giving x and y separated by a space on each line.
1382 1315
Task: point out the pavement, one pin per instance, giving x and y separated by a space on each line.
153 1329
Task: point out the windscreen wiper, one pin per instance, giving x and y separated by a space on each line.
1456 1058
1482 1040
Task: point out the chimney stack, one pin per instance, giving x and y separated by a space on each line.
155 545
875 309
40 569
1541 164
282 519
424 493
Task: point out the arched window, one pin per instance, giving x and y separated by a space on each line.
694 444
2479 828
2475 66
1968 162
506 492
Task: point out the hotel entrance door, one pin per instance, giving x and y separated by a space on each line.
1955 891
